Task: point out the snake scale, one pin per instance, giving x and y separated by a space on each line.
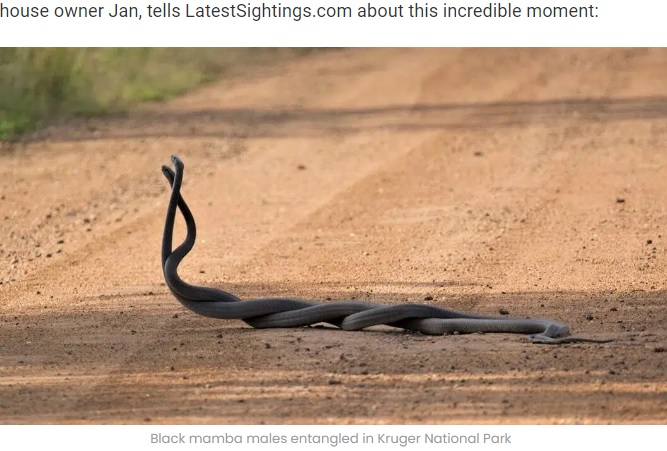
346 315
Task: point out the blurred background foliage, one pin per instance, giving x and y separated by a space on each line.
38 85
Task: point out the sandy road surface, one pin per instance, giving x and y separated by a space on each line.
529 180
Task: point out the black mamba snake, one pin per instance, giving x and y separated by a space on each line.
347 315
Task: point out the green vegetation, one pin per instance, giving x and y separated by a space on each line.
38 85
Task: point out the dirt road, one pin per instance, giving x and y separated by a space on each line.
528 180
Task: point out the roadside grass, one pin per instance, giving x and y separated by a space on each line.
39 85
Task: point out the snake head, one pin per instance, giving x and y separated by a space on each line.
168 173
177 163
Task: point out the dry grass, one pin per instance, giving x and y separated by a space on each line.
39 84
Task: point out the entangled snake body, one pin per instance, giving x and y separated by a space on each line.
347 315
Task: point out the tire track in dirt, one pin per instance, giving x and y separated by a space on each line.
430 169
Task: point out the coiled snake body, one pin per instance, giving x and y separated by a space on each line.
347 315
